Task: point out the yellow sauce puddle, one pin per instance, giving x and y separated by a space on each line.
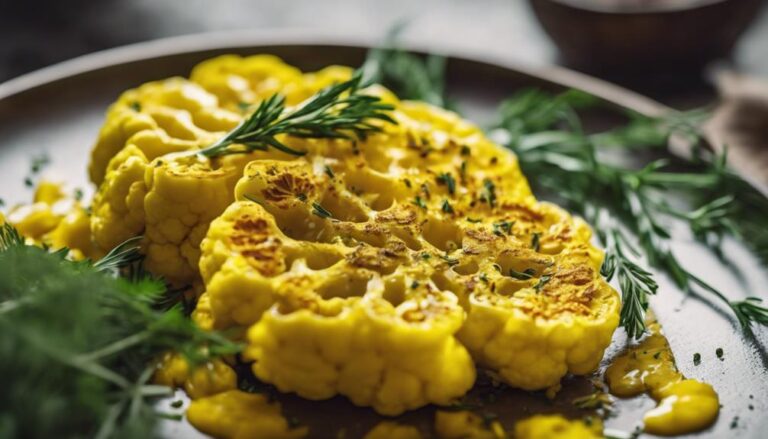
684 405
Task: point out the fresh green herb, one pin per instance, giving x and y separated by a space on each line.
340 111
526 274
28 182
135 106
451 261
81 345
465 150
488 194
301 197
473 220
536 241
696 359
425 190
415 284
719 353
545 133
425 256
78 194
446 207
409 76
321 211
252 199
447 179
329 172
419 202
408 183
39 162
502 227
177 404
636 283
121 256
543 280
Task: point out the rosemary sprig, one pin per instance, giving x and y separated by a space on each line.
340 111
569 165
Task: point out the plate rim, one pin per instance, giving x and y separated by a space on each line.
197 42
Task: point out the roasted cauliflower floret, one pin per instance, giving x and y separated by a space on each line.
393 430
148 181
382 269
55 219
557 427
159 118
466 425
239 415
170 200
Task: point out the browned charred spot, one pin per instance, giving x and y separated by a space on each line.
249 224
578 275
403 216
288 186
523 212
252 239
384 260
414 315
480 235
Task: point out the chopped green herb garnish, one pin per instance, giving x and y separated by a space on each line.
696 359
502 227
340 111
473 220
447 208
135 106
301 197
252 199
419 202
447 180
488 194
320 211
526 274
536 241
465 150
415 284
425 256
719 353
329 172
449 260
408 183
543 280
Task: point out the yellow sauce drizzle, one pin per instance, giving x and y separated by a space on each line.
684 405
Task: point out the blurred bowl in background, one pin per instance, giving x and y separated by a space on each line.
644 36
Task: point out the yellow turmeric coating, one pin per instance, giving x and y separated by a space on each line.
239 415
466 425
55 219
557 427
393 430
382 269
271 256
206 379
684 405
144 188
